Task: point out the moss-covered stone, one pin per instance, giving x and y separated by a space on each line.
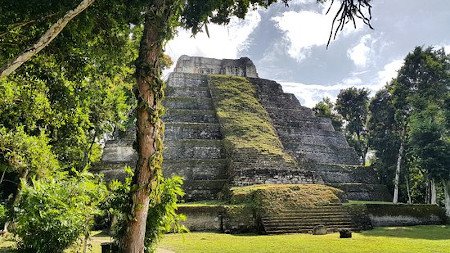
244 121
274 198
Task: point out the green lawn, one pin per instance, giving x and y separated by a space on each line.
433 239
399 239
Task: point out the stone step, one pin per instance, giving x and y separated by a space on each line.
312 213
189 103
307 218
320 156
194 149
309 229
307 127
183 80
312 224
197 169
297 113
187 130
190 115
333 173
191 91
203 189
281 100
331 138
363 191
323 123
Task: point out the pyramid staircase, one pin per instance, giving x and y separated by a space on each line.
193 141
303 220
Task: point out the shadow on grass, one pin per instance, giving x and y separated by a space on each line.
432 232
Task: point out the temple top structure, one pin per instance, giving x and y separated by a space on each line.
206 66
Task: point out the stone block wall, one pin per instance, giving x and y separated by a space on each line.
206 66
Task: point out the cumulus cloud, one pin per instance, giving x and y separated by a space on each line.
388 72
306 29
224 41
360 53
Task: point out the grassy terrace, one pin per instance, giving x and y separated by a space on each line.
245 122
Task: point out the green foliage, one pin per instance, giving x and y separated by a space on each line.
79 86
430 142
162 215
413 110
326 108
26 155
245 122
3 214
383 135
54 212
352 105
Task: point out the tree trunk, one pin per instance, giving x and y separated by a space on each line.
408 190
149 93
397 172
432 192
48 37
446 186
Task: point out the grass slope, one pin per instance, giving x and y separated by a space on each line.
433 239
244 121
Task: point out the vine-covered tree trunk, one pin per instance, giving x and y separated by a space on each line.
149 127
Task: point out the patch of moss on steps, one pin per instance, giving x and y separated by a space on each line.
243 119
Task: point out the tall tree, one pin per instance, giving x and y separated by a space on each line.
383 137
352 104
422 78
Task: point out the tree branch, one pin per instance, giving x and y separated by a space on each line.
48 37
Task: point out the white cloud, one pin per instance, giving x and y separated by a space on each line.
389 71
306 29
224 41
361 52
310 94
300 2
447 49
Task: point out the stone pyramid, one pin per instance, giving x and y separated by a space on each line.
306 148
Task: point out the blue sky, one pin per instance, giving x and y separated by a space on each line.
289 44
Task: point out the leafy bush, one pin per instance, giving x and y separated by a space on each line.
53 213
3 215
162 216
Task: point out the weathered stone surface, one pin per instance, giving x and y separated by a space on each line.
319 230
206 66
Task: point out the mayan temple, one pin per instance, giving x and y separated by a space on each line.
308 149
